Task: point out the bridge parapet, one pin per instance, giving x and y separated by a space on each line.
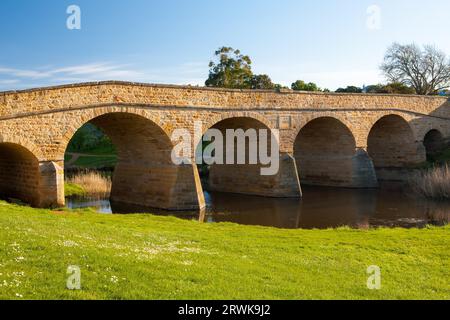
123 93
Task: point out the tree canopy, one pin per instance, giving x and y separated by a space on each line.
349 89
301 85
426 70
233 70
409 69
262 81
390 88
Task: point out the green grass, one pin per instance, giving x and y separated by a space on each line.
150 257
67 157
71 190
96 162
102 150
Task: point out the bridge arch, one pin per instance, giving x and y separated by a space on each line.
20 141
433 142
20 176
88 115
325 151
215 119
392 145
248 178
145 174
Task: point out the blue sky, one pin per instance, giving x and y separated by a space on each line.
325 41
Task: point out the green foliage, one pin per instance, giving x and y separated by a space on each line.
89 139
391 88
96 161
301 85
231 70
349 89
262 81
71 190
150 257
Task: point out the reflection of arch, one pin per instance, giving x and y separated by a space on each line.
391 143
433 142
145 174
19 174
324 149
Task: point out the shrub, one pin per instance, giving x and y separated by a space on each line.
94 184
433 183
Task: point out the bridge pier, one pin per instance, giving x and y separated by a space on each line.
401 168
51 185
247 179
164 186
363 173
187 193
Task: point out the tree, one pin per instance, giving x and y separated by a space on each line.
349 89
301 85
427 70
232 70
391 88
88 138
375 88
261 81
397 88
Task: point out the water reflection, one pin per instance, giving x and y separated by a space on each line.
320 208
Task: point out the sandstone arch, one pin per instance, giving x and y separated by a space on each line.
247 178
23 177
326 155
88 115
145 174
434 143
392 145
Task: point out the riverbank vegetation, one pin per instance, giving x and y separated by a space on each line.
151 257
73 190
90 184
432 183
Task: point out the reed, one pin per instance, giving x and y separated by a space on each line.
433 183
94 184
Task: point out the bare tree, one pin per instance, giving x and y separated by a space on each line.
427 70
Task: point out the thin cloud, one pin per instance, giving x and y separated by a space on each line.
18 73
186 73
85 72
88 71
11 81
192 73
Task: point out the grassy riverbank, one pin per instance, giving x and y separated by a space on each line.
73 190
149 257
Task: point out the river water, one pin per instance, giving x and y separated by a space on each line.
320 208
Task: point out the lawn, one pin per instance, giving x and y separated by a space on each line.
96 161
150 257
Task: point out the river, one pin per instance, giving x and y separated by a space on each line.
320 208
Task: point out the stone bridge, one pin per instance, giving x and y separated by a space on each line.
329 139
